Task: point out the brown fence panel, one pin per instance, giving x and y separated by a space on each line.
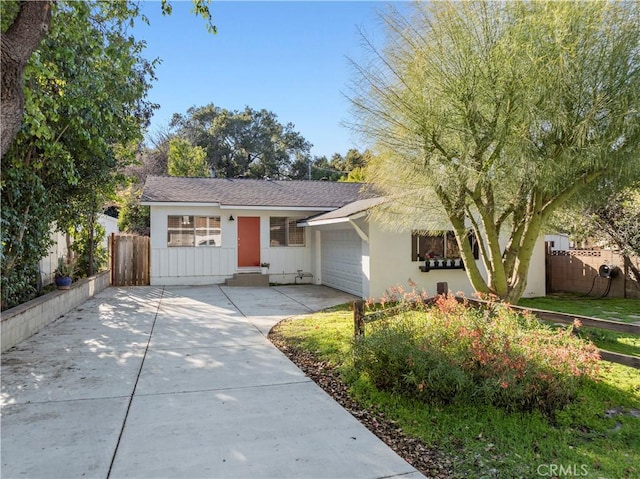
130 265
577 271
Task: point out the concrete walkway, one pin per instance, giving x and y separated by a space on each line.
178 382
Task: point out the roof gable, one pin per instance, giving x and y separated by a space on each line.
344 213
248 192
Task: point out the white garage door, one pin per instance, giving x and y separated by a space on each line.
342 260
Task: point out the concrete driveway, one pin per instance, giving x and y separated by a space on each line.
178 382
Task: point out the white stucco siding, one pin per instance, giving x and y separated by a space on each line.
391 265
559 242
536 278
342 260
213 264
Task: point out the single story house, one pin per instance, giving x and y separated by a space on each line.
204 230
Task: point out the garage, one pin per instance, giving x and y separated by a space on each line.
341 260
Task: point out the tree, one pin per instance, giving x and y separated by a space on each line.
613 216
187 160
357 175
85 111
619 221
24 25
493 114
301 167
619 218
30 24
323 169
133 217
250 143
338 169
352 160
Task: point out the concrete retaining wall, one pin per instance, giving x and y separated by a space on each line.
24 320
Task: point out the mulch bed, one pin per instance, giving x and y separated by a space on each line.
429 461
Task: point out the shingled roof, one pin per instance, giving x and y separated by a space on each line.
245 192
344 212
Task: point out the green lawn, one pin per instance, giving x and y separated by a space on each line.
614 309
599 434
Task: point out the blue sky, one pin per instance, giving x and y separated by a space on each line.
287 57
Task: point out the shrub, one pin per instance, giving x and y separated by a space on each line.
82 246
451 352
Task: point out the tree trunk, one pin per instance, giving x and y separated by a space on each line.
632 267
91 244
18 43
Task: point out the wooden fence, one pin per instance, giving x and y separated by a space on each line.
130 260
576 271
360 319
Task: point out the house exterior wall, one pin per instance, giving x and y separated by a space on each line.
391 265
213 264
536 278
559 242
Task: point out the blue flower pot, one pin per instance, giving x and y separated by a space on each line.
63 282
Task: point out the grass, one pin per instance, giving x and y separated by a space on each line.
613 309
598 433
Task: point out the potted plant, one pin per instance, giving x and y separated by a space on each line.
64 273
265 267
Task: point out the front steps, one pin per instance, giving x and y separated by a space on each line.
248 279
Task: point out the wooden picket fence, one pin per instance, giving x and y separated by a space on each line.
130 260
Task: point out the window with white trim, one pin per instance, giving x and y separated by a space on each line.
189 230
284 231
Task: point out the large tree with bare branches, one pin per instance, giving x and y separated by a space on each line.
495 113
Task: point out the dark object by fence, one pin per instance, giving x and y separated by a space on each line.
608 271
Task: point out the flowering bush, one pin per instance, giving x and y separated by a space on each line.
451 352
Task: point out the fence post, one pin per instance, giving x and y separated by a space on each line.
442 288
358 318
112 259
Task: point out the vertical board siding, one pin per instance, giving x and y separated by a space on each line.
130 263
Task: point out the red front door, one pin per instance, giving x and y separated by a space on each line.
248 241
